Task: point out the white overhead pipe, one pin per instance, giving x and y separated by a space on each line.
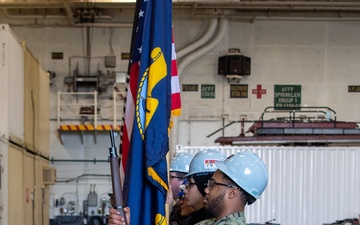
192 57
199 42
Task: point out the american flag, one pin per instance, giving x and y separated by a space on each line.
152 30
129 101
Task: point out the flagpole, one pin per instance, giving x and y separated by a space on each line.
115 177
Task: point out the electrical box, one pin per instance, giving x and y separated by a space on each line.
110 61
49 175
92 199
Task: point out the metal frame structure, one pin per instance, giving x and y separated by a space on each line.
302 126
78 114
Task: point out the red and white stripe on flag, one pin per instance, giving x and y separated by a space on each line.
175 84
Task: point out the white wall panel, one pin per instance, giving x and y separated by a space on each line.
307 185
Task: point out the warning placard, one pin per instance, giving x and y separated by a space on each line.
287 97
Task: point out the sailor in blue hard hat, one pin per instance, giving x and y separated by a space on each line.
239 180
179 167
202 167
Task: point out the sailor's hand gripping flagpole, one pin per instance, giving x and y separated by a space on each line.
115 177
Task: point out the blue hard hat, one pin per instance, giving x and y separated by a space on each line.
204 161
247 170
181 162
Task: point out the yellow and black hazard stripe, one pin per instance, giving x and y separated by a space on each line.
88 127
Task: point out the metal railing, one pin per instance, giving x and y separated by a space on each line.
82 108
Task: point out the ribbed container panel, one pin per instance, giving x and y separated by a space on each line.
26 189
11 86
4 180
307 185
18 196
37 109
28 164
44 114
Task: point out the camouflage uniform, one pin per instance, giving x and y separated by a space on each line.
237 218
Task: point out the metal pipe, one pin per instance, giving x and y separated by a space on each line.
33 16
84 175
206 48
95 109
199 42
265 4
88 51
115 24
69 13
52 160
58 110
114 108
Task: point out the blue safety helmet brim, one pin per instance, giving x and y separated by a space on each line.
247 170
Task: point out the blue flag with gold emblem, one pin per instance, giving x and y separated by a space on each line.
146 182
